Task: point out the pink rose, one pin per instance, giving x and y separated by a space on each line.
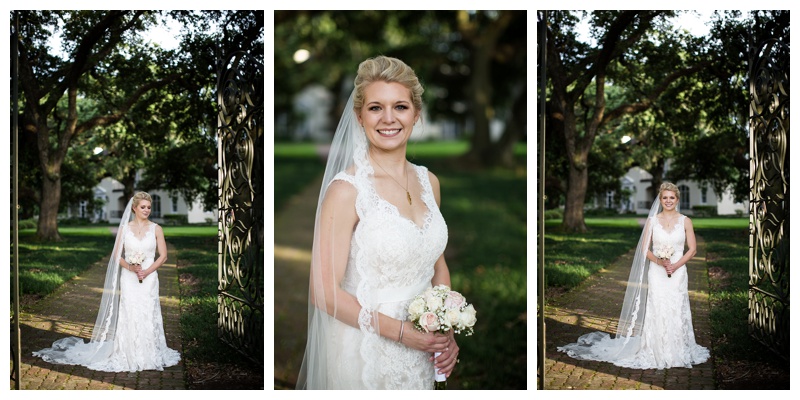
454 300
429 321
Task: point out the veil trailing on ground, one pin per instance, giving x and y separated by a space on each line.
73 350
599 345
348 148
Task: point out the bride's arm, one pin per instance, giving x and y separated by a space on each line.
337 221
441 274
647 242
161 245
691 244
446 361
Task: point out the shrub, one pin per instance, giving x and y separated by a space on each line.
555 213
27 224
176 219
600 212
704 211
74 221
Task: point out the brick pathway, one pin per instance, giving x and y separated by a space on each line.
595 305
72 310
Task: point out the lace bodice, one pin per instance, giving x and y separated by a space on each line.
391 260
676 237
389 250
146 244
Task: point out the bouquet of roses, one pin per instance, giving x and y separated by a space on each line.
664 251
441 309
135 258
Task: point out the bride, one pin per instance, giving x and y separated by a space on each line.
128 334
378 242
655 325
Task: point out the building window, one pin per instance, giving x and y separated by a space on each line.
609 199
685 203
156 211
174 204
703 195
82 212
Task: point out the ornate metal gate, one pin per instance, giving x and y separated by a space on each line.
240 147
769 193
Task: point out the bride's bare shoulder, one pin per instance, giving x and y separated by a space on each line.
340 192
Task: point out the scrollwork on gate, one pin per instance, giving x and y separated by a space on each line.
240 141
769 195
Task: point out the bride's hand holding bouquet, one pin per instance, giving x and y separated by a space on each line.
136 260
443 312
665 252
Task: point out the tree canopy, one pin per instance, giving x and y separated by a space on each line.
110 88
673 94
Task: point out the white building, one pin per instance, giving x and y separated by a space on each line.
637 186
111 192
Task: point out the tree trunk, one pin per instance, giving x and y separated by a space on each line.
503 152
576 193
47 229
129 183
480 94
483 43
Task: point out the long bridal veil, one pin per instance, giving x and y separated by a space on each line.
73 350
348 144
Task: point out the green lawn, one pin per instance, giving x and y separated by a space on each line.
296 166
43 267
570 258
728 257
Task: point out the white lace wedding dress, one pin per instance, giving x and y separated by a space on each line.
667 338
139 343
391 261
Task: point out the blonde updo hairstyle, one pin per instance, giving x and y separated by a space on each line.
139 196
670 187
386 69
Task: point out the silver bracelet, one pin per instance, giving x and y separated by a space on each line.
402 326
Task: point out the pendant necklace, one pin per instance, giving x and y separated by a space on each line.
408 195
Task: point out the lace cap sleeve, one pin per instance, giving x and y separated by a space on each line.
343 176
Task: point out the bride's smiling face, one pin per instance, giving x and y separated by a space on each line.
668 200
388 115
142 209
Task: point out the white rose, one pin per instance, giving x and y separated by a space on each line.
433 302
453 316
416 308
468 317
